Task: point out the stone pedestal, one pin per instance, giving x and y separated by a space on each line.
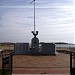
35 44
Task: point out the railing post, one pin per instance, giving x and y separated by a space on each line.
7 60
2 65
70 63
11 60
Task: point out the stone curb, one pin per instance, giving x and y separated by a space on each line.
40 74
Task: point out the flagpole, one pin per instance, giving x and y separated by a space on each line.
34 13
34 16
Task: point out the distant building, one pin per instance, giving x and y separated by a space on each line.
7 46
65 46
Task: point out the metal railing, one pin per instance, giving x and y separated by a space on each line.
7 64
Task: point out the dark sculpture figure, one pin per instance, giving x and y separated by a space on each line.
35 34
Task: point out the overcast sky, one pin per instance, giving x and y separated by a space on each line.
54 20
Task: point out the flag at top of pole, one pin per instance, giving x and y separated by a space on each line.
32 1
34 13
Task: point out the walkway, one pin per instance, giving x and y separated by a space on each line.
41 70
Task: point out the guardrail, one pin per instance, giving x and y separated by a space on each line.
72 60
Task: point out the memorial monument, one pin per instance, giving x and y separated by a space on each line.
24 48
34 40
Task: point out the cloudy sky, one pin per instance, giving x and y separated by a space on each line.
54 20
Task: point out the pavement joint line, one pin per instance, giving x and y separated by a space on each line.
40 74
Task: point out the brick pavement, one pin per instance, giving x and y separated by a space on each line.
60 60
51 62
41 71
58 64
